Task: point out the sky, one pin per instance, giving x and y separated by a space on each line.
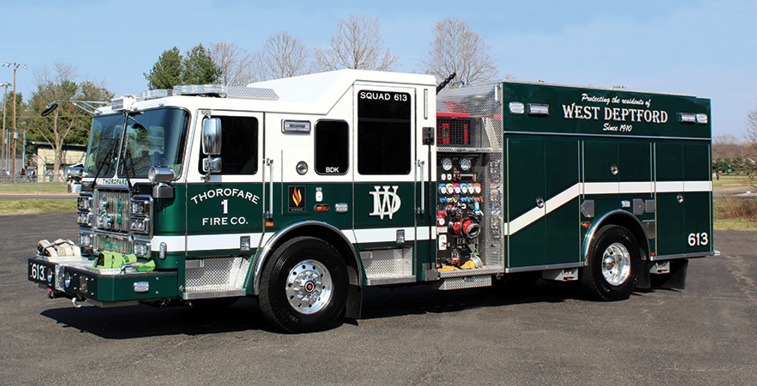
706 48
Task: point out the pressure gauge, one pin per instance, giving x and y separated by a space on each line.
465 164
446 163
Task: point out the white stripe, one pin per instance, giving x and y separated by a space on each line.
697 186
524 220
635 187
574 191
173 243
563 198
669 186
383 235
601 188
232 241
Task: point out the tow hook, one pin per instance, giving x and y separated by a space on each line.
77 302
53 294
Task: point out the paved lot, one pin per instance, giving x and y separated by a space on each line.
705 335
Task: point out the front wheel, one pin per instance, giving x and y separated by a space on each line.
613 266
304 286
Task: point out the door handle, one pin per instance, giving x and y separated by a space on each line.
269 163
422 208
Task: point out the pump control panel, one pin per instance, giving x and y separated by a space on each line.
459 210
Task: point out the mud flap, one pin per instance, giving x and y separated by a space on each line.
645 279
676 279
354 305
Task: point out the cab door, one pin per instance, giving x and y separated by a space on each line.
387 176
225 209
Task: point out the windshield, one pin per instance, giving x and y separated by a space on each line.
103 145
153 138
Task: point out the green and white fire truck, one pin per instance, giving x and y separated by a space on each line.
302 191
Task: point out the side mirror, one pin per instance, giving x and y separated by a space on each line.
160 176
74 173
211 136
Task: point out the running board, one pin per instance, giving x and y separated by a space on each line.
454 283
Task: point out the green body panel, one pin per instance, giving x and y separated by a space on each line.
170 213
563 223
635 162
541 168
404 217
590 111
526 183
628 141
224 208
599 157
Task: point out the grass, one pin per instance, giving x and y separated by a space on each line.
735 215
731 181
33 187
33 206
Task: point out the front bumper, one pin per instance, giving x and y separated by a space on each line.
77 278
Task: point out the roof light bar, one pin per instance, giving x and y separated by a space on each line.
122 103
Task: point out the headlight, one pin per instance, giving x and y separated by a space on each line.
140 225
140 208
142 249
85 240
84 203
85 219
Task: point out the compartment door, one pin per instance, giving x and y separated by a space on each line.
526 203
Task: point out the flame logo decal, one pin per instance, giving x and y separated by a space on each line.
297 197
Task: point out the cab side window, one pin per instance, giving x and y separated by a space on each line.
239 145
384 134
332 147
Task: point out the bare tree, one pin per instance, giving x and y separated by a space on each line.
235 62
727 146
457 48
750 163
282 56
61 85
357 44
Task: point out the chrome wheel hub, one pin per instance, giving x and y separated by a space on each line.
616 264
309 287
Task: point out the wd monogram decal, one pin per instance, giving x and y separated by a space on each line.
385 202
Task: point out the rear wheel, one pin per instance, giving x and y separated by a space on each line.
304 286
614 261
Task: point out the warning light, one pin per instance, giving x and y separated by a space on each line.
585 224
322 208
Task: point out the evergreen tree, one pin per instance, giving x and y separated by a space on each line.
167 71
199 68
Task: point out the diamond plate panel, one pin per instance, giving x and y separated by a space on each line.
387 263
218 274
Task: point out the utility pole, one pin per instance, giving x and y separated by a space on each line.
15 67
5 103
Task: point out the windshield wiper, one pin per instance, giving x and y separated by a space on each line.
107 156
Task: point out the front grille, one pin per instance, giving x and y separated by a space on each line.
110 220
113 216
113 243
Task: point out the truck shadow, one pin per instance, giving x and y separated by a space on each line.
423 298
145 321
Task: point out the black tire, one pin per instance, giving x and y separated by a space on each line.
614 263
303 287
